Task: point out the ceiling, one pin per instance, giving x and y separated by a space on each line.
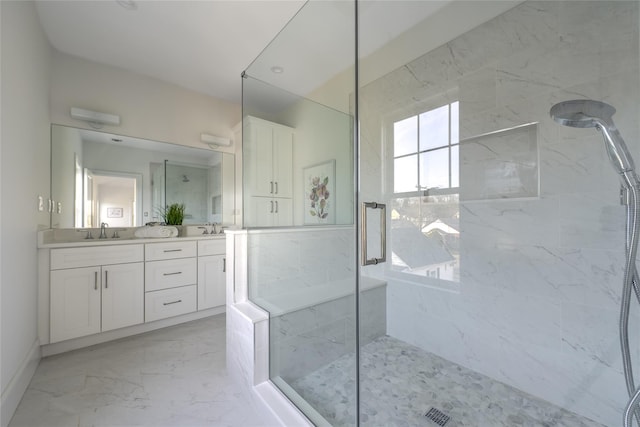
203 45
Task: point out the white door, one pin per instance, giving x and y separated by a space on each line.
122 295
75 303
211 281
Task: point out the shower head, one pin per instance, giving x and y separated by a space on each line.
588 113
582 113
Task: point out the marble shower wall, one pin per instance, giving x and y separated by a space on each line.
288 261
537 303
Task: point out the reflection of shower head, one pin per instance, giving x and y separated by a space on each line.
588 113
184 178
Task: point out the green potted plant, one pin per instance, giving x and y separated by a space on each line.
174 214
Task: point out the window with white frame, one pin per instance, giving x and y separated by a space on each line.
426 150
424 207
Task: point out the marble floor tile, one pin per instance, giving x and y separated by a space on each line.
176 376
400 383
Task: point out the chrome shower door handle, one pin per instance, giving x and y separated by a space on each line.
383 233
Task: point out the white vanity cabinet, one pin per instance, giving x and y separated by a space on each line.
268 151
95 289
212 265
170 279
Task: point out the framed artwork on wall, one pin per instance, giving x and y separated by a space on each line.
319 193
114 212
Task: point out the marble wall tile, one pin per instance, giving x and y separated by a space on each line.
307 339
477 91
280 263
586 221
577 166
523 222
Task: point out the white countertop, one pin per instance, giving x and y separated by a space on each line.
70 238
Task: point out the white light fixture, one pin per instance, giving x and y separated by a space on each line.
215 141
95 118
276 69
128 4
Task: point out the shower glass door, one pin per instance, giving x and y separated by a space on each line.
299 207
430 245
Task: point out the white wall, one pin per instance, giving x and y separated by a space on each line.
64 159
24 174
149 108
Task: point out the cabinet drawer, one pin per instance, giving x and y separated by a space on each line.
170 273
212 247
169 250
95 255
169 302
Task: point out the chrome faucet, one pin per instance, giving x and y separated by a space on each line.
103 231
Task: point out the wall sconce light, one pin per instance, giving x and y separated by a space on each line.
215 141
95 118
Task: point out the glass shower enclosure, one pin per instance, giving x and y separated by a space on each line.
432 248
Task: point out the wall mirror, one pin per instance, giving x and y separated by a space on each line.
123 181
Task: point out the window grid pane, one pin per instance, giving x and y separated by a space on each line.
434 128
405 136
434 169
405 174
426 151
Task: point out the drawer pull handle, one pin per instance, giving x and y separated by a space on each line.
172 250
172 302
172 274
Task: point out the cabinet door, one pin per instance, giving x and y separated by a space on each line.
75 303
262 159
282 162
261 212
283 212
122 295
211 281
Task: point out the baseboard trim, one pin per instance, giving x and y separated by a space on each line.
282 407
102 337
18 385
